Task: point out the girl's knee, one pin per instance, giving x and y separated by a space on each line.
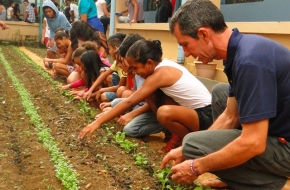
120 91
74 76
104 98
164 113
127 93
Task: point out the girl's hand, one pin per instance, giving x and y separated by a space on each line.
74 92
104 105
45 60
77 98
81 93
98 95
87 95
133 21
89 129
125 119
64 87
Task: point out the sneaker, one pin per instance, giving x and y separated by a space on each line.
174 142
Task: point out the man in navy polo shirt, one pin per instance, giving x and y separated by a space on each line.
258 70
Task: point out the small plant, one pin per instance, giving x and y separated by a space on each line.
119 137
140 159
84 108
163 177
127 145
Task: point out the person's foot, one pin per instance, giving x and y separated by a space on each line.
48 65
174 142
215 184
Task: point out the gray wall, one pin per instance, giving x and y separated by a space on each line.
150 16
267 10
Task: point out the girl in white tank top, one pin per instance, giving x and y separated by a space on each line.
181 102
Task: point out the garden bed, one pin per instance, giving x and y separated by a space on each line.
25 162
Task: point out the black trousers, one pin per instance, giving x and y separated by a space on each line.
105 21
163 11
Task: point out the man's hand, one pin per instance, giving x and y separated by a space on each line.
174 155
182 172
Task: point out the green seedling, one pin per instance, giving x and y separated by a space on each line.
140 159
163 177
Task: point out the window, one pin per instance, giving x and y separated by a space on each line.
240 1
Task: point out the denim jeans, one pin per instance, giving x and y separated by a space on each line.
142 125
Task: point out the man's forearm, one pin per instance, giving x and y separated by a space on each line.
225 121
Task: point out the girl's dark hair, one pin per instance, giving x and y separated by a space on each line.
92 64
60 34
142 50
15 8
78 52
90 46
88 33
85 47
129 40
116 39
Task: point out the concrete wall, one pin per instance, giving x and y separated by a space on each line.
22 28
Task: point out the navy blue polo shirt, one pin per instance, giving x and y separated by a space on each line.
258 70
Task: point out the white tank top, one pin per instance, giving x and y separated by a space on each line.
188 91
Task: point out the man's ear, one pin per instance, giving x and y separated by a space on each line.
202 33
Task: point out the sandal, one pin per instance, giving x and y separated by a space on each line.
174 142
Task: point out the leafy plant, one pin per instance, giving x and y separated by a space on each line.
140 159
163 177
127 145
